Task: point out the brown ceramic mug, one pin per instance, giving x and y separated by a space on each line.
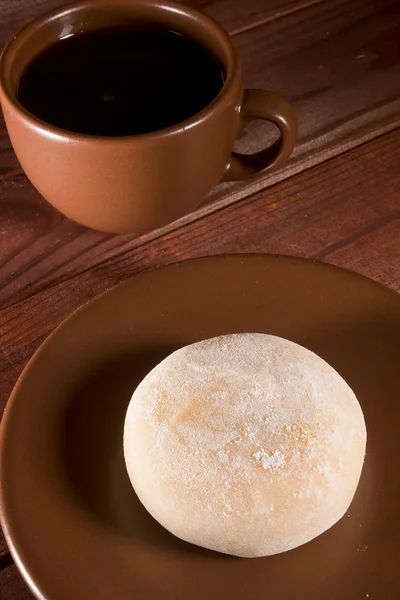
139 182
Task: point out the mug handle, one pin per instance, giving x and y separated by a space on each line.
262 104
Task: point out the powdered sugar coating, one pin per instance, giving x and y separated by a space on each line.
247 444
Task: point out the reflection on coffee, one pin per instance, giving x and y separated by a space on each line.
120 81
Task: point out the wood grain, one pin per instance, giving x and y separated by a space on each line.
238 16
12 586
338 212
342 75
235 15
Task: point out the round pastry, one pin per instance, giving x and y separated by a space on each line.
247 444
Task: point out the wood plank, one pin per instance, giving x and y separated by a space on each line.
376 251
340 211
235 15
345 212
338 62
238 16
12 586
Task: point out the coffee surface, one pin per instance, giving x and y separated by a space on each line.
120 81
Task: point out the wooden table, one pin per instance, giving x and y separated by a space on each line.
337 199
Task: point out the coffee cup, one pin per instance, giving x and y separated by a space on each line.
135 180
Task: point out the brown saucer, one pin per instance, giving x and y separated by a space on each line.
72 520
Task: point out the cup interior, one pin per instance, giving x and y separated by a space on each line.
90 15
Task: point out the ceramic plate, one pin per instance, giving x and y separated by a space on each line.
72 520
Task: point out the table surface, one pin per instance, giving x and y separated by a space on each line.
336 200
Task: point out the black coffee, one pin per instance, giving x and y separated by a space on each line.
120 81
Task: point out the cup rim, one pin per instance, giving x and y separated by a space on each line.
232 70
